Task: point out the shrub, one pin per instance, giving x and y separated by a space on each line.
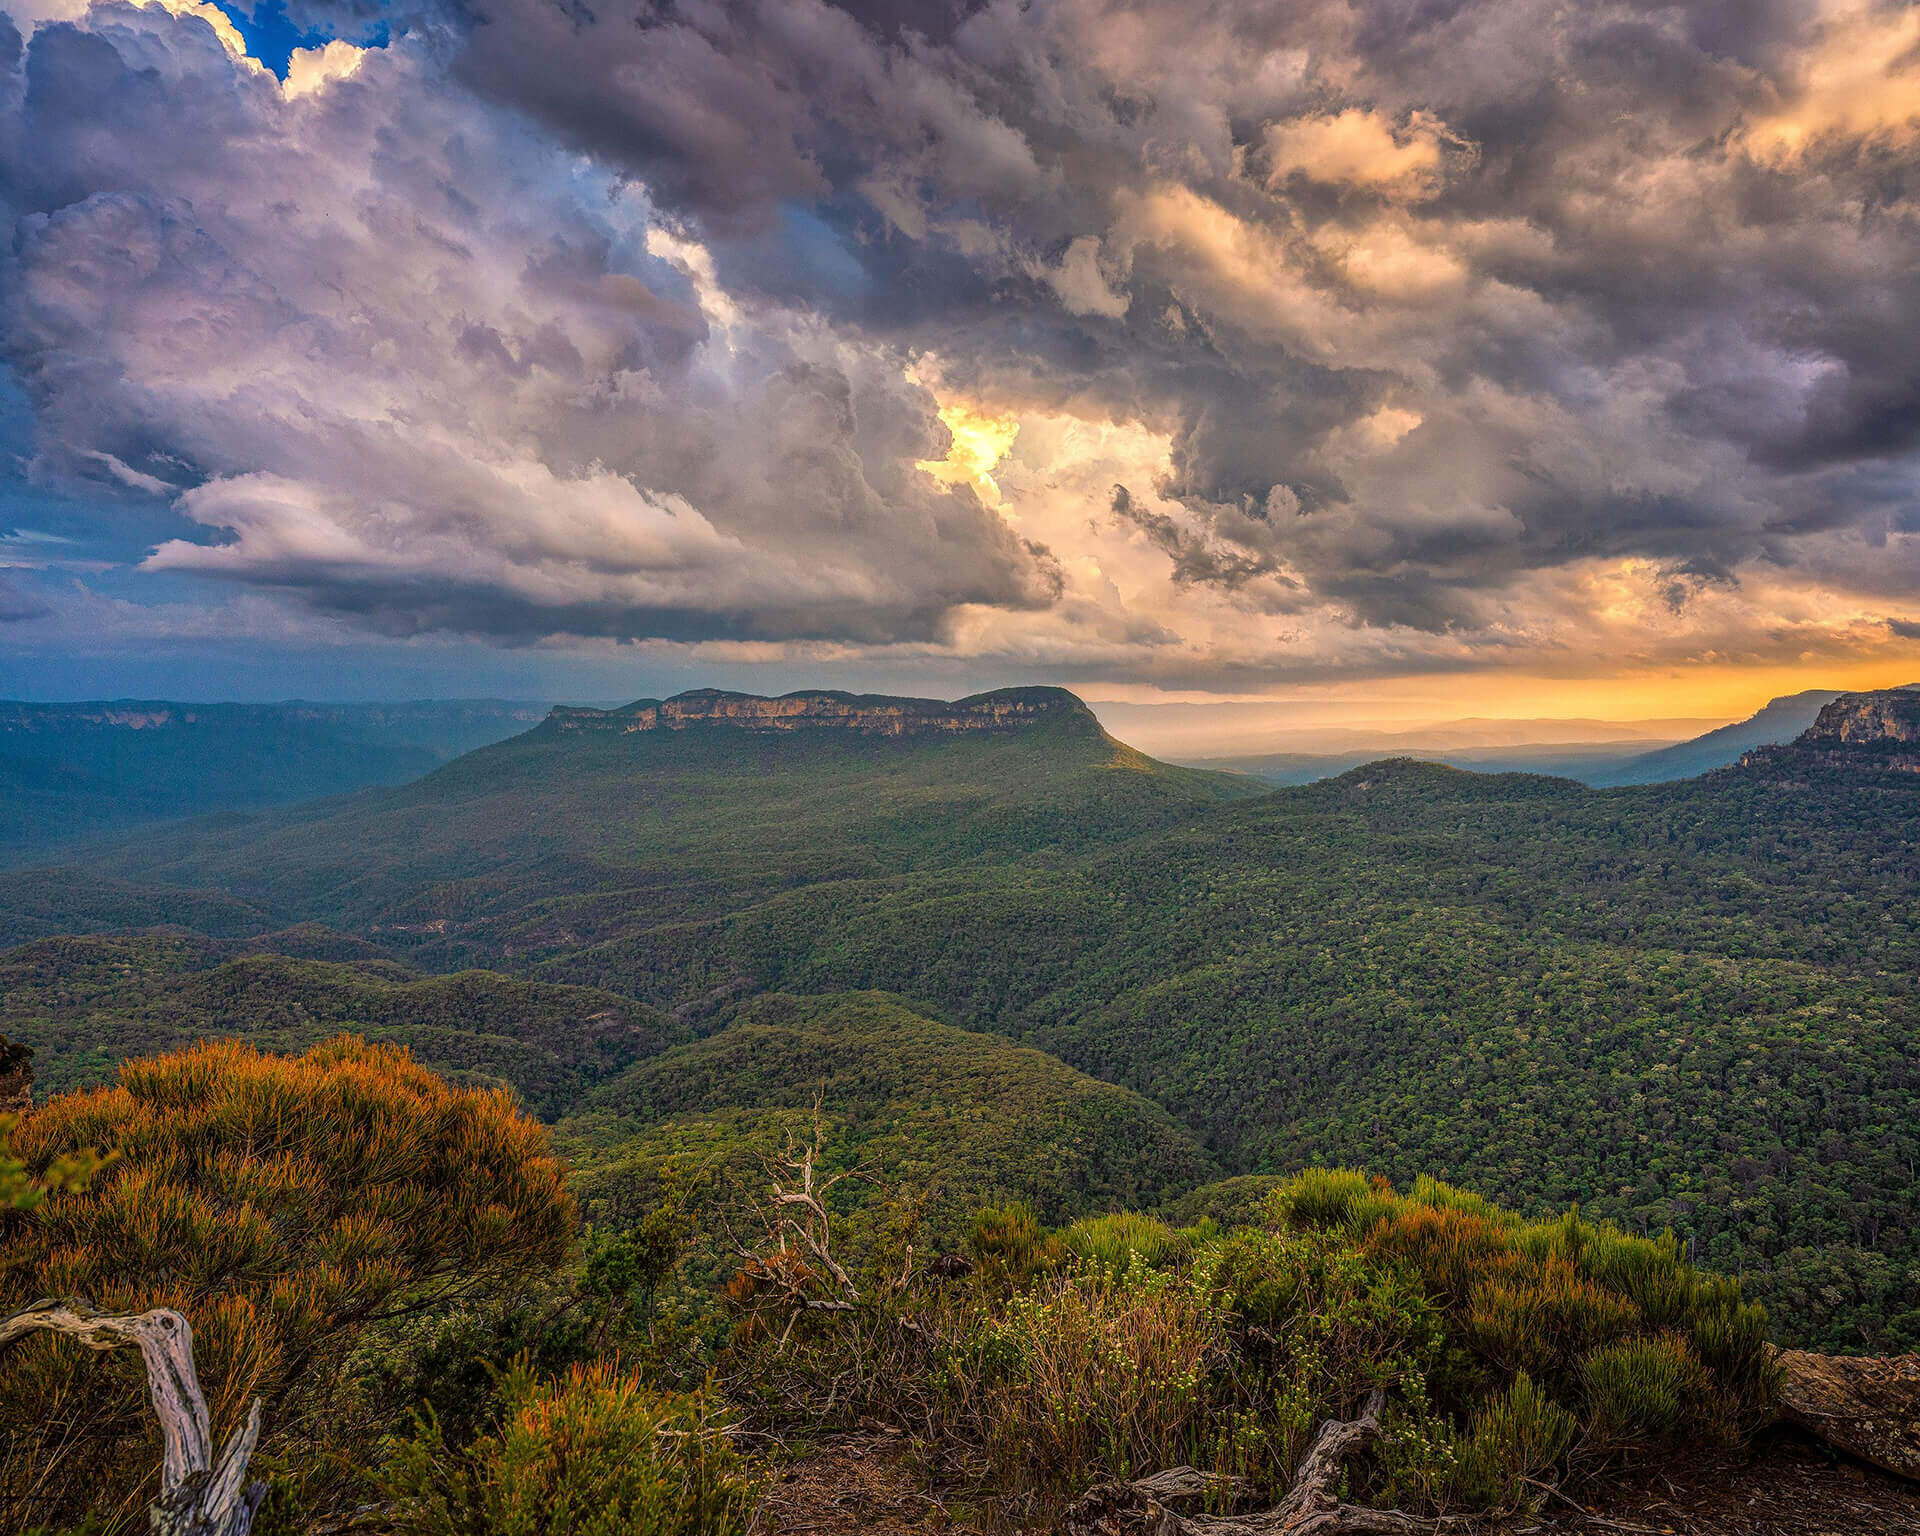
1326 1198
1537 1323
283 1205
595 1453
1113 1242
1642 1390
1011 1246
1087 1375
21 1190
1315 1318
1454 1251
1514 1442
1543 1296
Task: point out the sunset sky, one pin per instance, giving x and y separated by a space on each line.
1382 360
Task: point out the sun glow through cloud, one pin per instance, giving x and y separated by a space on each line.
981 441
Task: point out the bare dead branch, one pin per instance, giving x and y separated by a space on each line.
200 1494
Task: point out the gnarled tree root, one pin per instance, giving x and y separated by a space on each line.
199 1495
1310 1508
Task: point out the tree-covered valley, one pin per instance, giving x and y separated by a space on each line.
999 985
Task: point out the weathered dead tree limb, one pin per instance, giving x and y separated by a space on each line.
1311 1508
793 1264
800 1203
200 1495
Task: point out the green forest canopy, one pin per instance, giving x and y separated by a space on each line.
1686 1004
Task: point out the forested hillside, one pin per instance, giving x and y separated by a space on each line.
87 1004
71 771
946 1119
1686 1004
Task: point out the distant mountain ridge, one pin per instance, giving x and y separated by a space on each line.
1598 764
816 709
75 770
1779 721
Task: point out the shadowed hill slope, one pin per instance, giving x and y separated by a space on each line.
949 1116
87 1004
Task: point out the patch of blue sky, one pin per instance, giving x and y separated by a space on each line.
272 34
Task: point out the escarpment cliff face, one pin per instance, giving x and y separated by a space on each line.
864 713
1892 715
1861 730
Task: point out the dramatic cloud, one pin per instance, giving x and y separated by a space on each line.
414 362
1201 343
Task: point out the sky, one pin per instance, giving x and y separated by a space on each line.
1346 360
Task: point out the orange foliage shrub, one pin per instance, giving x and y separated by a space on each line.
283 1205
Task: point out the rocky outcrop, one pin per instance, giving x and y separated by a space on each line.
1869 1408
864 713
1879 730
1854 719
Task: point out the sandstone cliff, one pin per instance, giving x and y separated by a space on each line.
1891 715
869 714
1879 730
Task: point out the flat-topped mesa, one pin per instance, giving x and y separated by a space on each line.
1866 730
873 714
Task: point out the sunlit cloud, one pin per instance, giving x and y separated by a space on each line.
1857 84
980 442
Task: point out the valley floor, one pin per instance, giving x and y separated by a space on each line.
1783 1485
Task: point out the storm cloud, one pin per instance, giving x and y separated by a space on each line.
1304 336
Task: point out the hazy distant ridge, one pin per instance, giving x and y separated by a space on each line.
74 770
1599 763
1780 721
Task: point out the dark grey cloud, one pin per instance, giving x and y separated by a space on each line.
1210 555
563 317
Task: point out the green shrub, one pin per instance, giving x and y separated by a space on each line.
1542 1296
1315 1317
1540 1322
1642 1390
595 1453
1514 1442
1012 1246
1085 1376
1326 1198
1113 1242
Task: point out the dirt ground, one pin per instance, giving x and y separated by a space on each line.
854 1483
1783 1485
